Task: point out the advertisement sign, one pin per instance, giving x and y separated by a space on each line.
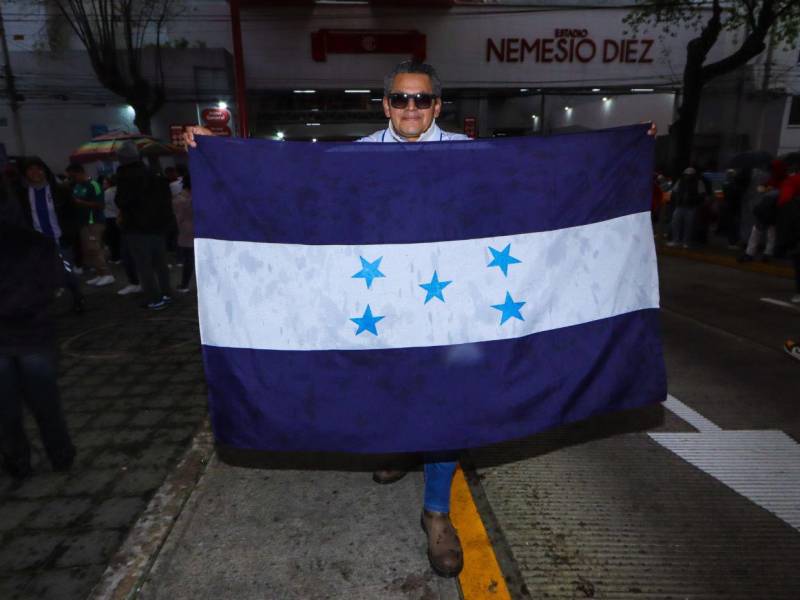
215 117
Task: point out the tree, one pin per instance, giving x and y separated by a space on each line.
755 20
115 34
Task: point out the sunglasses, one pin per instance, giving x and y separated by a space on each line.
421 101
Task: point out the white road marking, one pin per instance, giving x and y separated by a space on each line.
691 416
763 466
781 303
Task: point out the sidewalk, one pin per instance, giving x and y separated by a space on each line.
250 533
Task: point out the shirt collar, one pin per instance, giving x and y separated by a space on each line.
432 134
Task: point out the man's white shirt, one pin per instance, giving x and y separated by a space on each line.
433 134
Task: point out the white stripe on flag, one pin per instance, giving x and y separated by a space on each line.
303 297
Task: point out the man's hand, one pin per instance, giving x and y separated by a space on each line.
653 129
191 132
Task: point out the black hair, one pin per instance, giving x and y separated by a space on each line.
412 66
75 168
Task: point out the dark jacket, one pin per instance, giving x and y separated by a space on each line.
144 200
28 279
691 191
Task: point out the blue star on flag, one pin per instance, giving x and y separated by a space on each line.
509 308
502 258
434 288
367 322
369 270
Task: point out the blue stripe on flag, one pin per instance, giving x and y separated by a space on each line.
333 193
436 398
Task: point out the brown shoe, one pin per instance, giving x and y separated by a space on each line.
444 547
384 476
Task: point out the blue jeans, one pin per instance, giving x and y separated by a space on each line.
438 479
31 379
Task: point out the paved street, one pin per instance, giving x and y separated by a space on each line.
696 499
133 392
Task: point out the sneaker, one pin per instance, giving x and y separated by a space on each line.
792 349
93 280
158 305
795 299
129 289
182 290
77 270
105 280
166 298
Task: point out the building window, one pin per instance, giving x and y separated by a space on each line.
794 112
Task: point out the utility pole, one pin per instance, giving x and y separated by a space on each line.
11 88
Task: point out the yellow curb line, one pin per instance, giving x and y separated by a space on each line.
727 261
481 577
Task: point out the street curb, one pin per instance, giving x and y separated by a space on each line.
135 558
722 260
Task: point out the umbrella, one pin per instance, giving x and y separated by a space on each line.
747 161
105 147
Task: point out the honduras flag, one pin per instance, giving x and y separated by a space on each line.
423 297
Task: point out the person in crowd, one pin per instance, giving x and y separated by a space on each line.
765 215
657 201
87 195
111 212
145 204
47 208
182 206
732 192
788 221
28 368
688 194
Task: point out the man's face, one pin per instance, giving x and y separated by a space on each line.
411 122
35 174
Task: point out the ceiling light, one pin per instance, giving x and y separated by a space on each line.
595 89
312 124
523 89
279 135
642 89
568 108
606 99
304 91
357 91
313 139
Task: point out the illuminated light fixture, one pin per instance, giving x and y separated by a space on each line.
595 89
642 90
535 117
568 108
130 110
313 139
222 105
357 91
312 124
304 91
375 99
606 99
279 135
314 110
523 89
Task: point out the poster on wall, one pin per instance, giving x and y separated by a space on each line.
471 127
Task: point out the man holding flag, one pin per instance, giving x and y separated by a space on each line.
475 370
